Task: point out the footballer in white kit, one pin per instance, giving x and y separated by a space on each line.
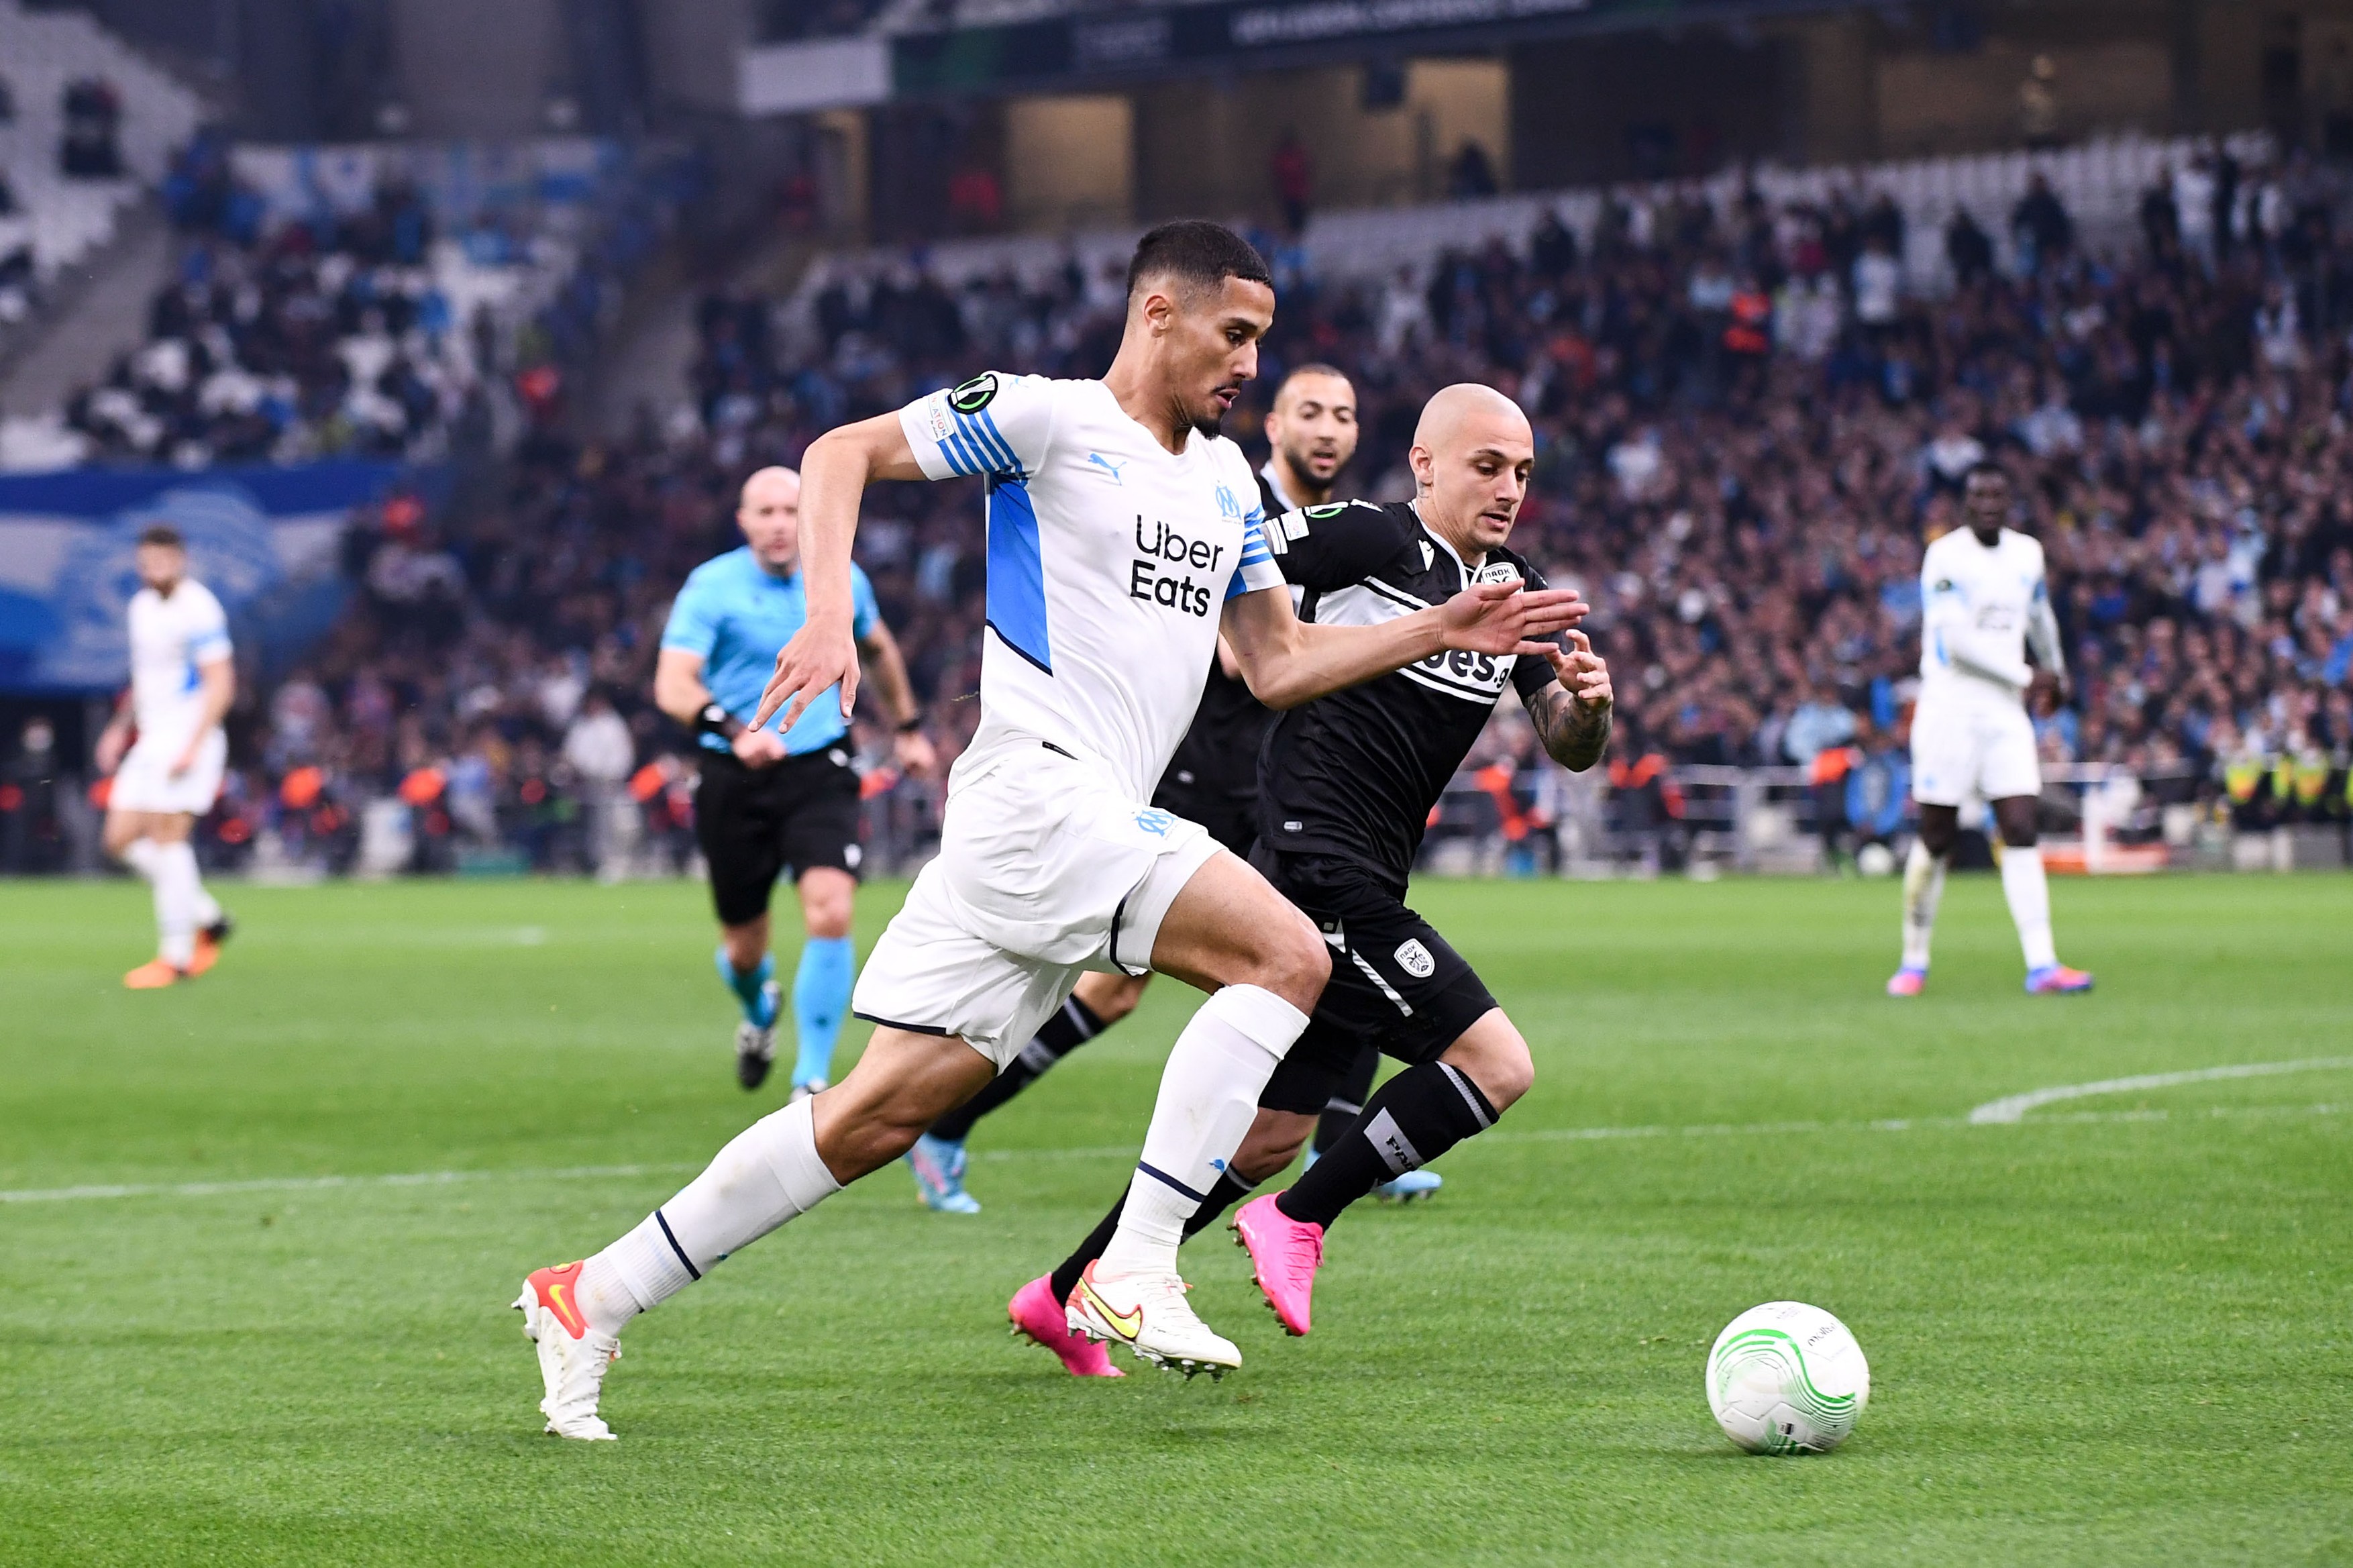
1985 603
167 752
1122 534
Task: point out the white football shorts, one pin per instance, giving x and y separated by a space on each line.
1963 749
145 781
1046 870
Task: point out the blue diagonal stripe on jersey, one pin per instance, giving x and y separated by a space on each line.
955 464
969 450
1012 461
994 455
1017 573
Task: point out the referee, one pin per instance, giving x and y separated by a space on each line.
769 801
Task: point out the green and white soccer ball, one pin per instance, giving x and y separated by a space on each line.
1787 1378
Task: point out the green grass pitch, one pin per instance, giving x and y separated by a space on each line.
2119 1331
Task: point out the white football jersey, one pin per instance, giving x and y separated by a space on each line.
1980 609
169 639
1110 562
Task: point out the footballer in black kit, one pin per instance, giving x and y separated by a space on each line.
1346 786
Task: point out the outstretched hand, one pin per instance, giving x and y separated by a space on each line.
1509 618
820 655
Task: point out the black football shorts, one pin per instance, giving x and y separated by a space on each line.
755 822
1395 984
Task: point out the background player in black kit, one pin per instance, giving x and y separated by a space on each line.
1346 786
1311 432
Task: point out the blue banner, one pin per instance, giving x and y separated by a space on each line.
264 540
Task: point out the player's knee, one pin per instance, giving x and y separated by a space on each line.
827 902
1494 1056
1293 962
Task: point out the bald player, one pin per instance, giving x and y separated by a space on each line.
1311 433
1345 784
771 799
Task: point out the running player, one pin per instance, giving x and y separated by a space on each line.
1984 602
182 682
1311 433
767 801
1345 787
1118 545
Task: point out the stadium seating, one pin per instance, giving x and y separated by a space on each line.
41 52
1749 523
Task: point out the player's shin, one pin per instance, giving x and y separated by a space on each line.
178 891
769 1175
821 989
1923 885
1208 1098
1416 1117
2024 885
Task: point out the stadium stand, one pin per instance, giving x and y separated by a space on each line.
1749 419
88 124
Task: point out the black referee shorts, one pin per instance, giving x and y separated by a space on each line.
754 823
1395 984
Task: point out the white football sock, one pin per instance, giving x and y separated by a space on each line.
176 892
2029 892
1924 885
1208 1096
769 1175
139 856
208 908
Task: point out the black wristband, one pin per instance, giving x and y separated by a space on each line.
911 725
716 721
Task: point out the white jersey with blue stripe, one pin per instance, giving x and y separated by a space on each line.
1110 562
1981 607
169 638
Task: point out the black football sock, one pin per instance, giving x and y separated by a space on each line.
1065 1031
1347 1100
1416 1116
1230 1190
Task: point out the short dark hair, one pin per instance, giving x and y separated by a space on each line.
1197 251
1313 367
1987 467
162 533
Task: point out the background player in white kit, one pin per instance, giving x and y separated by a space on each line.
1124 533
182 682
1984 602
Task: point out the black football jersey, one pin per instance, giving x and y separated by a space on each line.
1218 759
1354 775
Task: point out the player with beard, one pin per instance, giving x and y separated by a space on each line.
1345 787
1120 547
1311 433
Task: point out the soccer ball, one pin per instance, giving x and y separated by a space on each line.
1875 860
1787 1378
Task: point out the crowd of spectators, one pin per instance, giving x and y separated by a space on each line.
1747 429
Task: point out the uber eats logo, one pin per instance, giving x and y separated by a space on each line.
975 395
1166 551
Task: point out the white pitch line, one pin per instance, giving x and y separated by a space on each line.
1502 1135
2014 1107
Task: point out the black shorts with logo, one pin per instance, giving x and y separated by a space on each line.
1395 984
754 823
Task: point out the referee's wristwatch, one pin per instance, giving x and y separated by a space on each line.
716 721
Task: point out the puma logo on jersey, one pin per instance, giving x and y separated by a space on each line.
1108 466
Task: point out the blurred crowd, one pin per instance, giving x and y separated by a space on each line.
1747 428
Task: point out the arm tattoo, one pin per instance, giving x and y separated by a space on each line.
1573 735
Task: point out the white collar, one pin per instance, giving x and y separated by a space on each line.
1454 555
